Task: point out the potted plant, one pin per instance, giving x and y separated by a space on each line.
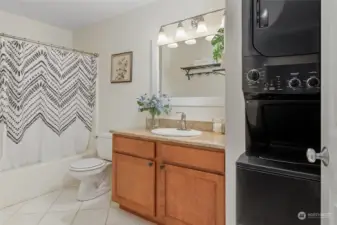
155 105
218 45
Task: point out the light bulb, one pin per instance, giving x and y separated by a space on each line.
223 22
191 42
162 38
210 37
173 45
202 27
181 33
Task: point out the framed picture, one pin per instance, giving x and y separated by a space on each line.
121 67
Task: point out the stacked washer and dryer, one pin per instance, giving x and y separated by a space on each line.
276 184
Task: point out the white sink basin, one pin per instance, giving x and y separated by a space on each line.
174 132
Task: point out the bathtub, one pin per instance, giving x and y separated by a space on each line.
28 182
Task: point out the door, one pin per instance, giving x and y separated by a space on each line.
270 126
280 28
134 183
329 111
298 190
190 197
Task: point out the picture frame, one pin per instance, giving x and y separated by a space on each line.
121 67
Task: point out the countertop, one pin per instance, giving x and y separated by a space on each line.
210 140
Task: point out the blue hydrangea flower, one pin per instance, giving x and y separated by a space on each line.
155 105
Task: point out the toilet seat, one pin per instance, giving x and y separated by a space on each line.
87 164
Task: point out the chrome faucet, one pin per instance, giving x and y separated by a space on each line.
182 121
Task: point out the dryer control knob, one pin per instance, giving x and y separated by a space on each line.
294 83
253 75
313 82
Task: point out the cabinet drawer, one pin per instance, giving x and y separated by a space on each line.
145 149
197 158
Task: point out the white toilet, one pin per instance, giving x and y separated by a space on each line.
94 173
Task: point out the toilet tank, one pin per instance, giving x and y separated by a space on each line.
104 146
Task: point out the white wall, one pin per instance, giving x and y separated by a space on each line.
235 118
133 32
31 29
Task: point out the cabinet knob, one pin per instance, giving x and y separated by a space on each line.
162 166
150 164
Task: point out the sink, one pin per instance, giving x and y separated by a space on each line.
174 132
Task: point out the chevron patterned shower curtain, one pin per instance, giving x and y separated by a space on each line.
47 98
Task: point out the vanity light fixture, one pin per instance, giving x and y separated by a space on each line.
202 27
210 37
181 33
197 22
191 42
162 38
173 45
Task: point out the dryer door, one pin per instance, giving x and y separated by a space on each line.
286 27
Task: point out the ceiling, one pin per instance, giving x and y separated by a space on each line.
70 14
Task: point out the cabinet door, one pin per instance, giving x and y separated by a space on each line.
190 197
134 184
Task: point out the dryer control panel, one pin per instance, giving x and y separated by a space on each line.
283 79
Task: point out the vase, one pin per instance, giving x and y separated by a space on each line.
152 122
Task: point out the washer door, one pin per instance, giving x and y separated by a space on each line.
265 199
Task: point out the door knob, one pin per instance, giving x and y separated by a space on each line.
323 156
150 164
162 166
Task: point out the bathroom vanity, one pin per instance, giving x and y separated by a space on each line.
170 180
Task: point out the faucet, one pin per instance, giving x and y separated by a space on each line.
182 121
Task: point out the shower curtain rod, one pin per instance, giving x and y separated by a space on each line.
47 44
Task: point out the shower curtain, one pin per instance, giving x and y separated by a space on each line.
47 98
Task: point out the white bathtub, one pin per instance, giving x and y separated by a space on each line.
24 183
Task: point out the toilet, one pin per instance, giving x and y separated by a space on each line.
94 173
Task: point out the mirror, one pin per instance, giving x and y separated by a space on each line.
177 63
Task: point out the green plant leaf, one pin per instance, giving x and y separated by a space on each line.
218 43
140 103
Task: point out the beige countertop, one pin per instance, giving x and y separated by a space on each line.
206 139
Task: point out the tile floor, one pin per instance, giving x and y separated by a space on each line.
62 208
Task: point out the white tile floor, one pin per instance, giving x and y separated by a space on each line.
62 208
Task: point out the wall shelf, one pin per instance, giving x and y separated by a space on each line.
221 71
190 70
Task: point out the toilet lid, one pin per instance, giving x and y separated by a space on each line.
87 164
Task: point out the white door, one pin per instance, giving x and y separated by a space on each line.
329 111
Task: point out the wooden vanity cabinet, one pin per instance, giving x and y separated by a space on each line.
179 186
